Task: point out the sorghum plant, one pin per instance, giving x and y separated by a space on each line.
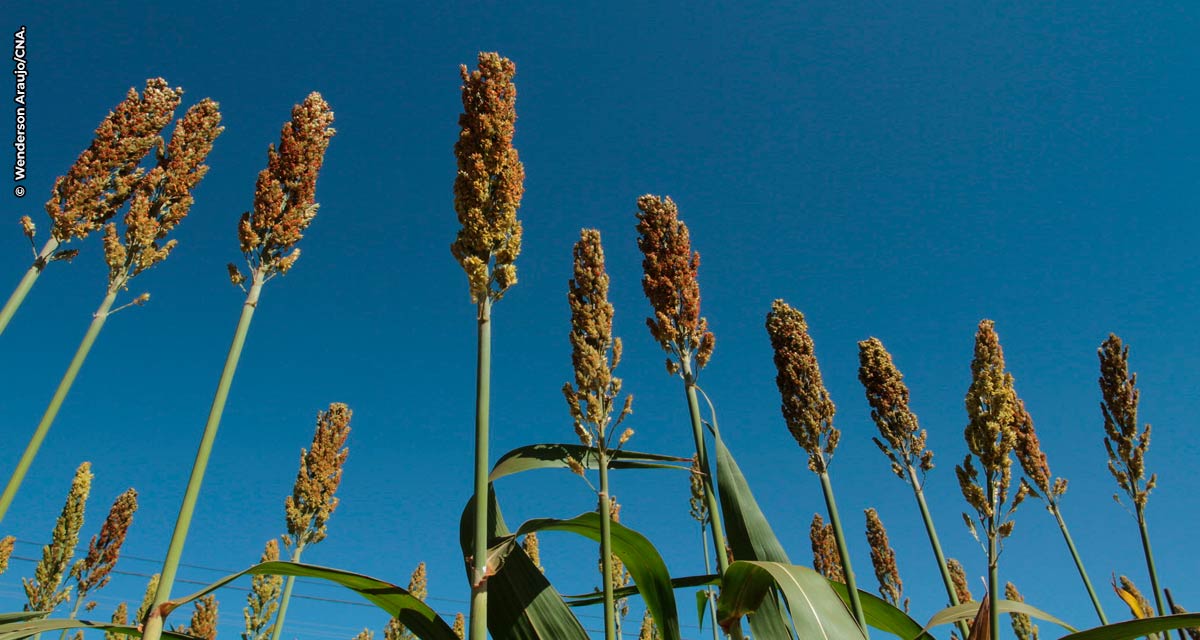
6 549
100 182
903 440
419 589
284 206
204 619
487 194
158 200
263 599
669 280
994 412
44 592
1022 626
883 559
94 570
809 411
313 501
595 354
1126 444
826 560
1037 471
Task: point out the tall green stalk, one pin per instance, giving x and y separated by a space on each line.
277 628
26 283
606 563
483 374
712 606
1062 526
60 394
836 521
934 542
993 583
154 624
1158 600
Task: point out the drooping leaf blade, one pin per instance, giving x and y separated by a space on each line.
554 456
522 604
596 597
817 611
639 556
20 629
883 615
1137 628
967 611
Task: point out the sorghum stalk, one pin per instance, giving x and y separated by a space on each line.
1127 461
994 413
595 355
487 194
808 411
903 441
698 509
284 206
100 181
313 501
670 269
158 201
1037 471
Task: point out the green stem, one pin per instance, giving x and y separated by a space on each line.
483 373
154 623
1062 525
712 607
606 563
993 582
1158 601
74 612
277 628
710 496
836 521
60 394
26 283
943 568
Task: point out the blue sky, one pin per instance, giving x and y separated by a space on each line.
892 171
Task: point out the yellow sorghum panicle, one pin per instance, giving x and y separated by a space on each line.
103 177
263 599
490 180
6 549
1192 632
806 406
94 571
162 197
1126 446
43 592
460 626
883 559
595 353
903 438
670 268
147 599
826 559
285 194
312 501
204 619
532 549
365 634
649 630
120 616
994 411
394 630
959 577
1022 627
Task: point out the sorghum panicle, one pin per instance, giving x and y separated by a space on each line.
1022 626
417 587
285 193
1126 446
490 180
595 353
697 507
959 577
103 177
670 270
1033 459
312 501
532 548
365 634
94 570
204 619
1143 607
460 626
120 616
6 549
826 559
807 408
43 592
263 599
888 396
883 559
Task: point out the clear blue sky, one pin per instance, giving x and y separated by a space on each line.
895 170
